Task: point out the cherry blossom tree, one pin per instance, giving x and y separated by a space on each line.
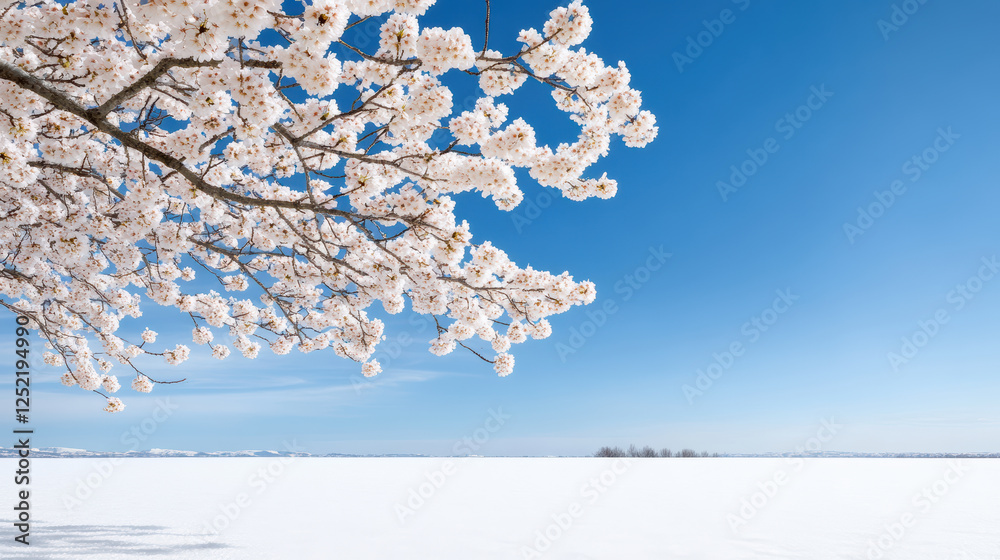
144 144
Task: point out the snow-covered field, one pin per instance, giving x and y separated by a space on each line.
482 508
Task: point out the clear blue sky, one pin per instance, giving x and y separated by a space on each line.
826 356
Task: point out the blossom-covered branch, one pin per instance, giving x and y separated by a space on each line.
148 150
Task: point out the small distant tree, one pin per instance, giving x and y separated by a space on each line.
647 451
609 452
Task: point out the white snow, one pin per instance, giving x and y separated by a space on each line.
501 508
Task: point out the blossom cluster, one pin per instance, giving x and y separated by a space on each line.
153 152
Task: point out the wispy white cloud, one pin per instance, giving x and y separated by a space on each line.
235 398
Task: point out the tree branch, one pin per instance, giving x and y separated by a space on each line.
161 68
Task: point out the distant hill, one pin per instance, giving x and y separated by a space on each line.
68 452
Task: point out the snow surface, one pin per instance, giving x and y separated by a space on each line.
500 508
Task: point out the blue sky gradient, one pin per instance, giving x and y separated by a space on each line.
891 95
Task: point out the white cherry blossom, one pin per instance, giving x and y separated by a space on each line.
207 156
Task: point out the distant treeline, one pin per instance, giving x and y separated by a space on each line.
648 451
